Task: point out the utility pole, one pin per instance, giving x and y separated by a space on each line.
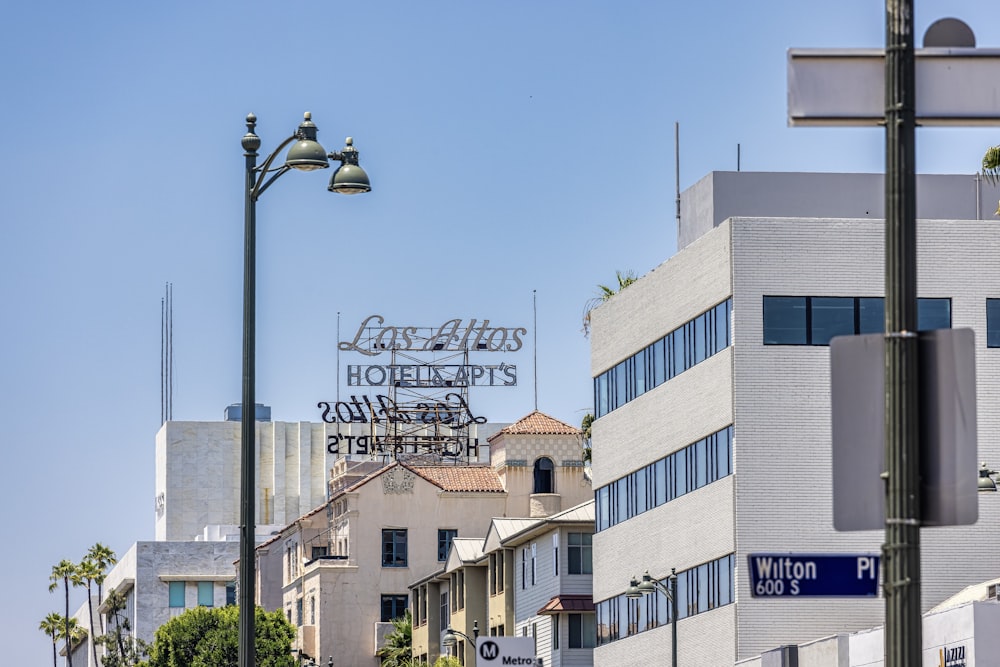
901 551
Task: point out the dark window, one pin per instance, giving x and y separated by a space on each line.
831 316
814 320
394 547
933 314
785 320
393 606
231 593
582 631
579 551
445 536
992 322
871 315
544 470
317 552
555 631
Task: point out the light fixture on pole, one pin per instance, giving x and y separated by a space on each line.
986 482
638 589
451 635
305 155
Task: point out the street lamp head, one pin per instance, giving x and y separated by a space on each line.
306 154
633 591
350 178
986 483
449 639
647 585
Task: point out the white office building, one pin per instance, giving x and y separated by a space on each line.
712 396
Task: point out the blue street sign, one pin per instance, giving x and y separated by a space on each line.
811 575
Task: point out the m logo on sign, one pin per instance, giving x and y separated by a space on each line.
489 650
505 651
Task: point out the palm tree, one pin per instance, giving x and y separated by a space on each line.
398 648
585 425
991 164
64 571
605 293
102 557
73 634
53 626
87 573
991 167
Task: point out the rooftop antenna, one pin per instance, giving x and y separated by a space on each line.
677 172
534 325
737 157
167 354
337 376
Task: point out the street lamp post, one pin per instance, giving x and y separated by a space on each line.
305 155
648 585
451 635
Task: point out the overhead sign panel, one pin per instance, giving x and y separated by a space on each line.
948 430
954 86
505 651
813 575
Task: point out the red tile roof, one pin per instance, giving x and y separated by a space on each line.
479 478
538 423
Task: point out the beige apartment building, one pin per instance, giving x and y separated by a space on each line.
342 571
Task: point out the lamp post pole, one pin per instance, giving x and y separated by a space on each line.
673 616
306 155
248 567
901 550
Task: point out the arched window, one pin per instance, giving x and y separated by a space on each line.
544 475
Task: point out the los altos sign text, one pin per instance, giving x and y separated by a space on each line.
374 337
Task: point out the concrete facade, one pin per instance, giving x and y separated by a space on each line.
197 470
778 497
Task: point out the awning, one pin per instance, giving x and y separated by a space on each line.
568 603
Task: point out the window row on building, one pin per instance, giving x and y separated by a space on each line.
814 320
395 540
682 348
700 589
177 591
683 471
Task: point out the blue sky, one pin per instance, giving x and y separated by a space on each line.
514 148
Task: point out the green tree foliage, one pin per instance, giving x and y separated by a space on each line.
991 167
991 164
53 626
588 419
121 649
64 571
209 637
398 648
603 294
447 661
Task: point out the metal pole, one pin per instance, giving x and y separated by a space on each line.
901 550
673 617
247 578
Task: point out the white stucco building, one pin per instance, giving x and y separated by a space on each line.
712 438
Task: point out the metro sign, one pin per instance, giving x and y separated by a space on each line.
505 651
